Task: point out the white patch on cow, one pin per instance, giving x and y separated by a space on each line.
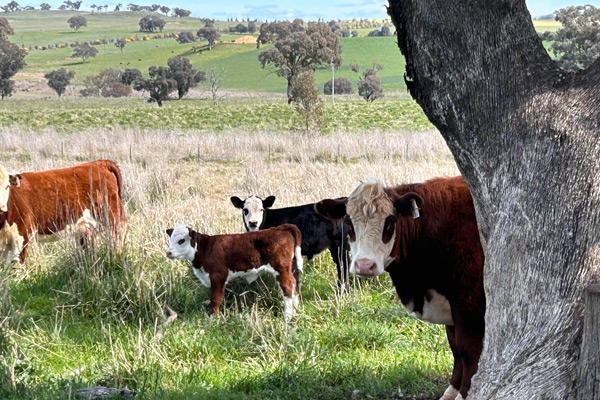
202 276
288 307
11 243
299 260
459 397
253 213
251 274
450 394
436 310
180 246
84 227
4 190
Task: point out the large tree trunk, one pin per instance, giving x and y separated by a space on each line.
525 136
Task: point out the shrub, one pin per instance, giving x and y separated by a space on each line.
84 51
181 70
341 86
370 87
186 37
106 84
59 79
151 22
130 75
158 86
76 22
306 99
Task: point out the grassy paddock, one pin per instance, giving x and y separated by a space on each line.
85 319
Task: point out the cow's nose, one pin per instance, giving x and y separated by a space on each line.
252 224
169 254
364 267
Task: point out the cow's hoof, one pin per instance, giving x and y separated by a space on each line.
451 394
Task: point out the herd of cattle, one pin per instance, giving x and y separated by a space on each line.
423 234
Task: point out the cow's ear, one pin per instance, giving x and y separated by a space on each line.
408 204
268 202
332 208
14 179
169 232
237 202
193 235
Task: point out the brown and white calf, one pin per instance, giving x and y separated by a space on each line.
425 236
55 202
218 259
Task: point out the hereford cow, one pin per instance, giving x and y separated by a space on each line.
425 236
216 260
52 203
318 233
11 243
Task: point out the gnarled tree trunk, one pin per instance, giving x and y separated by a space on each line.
525 135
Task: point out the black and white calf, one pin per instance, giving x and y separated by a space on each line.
219 259
318 233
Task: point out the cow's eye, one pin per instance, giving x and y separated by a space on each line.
245 211
262 209
388 228
182 241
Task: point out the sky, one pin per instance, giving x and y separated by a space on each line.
290 9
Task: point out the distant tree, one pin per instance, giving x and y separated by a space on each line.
297 49
355 67
77 21
72 5
252 27
12 59
45 6
151 22
106 84
341 86
5 29
208 22
345 32
210 34
185 37
180 12
239 28
118 7
120 43
354 33
374 33
84 51
11 7
370 87
335 27
28 8
158 86
307 101
93 7
215 79
154 7
577 42
385 31
182 71
165 10
130 75
133 7
59 79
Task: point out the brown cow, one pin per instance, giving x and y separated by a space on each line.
425 236
48 203
216 260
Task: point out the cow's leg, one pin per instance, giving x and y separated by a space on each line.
469 342
452 390
335 255
217 293
287 283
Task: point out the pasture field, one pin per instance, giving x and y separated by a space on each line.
73 319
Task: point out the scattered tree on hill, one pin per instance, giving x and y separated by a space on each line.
165 10
84 51
577 42
77 21
11 7
59 79
180 12
335 27
210 34
158 86
118 7
370 87
151 22
130 75
182 71
307 101
384 31
215 79
120 43
208 22
355 67
133 7
252 27
297 49
45 6
186 37
106 84
12 59
341 86
239 28
72 5
354 33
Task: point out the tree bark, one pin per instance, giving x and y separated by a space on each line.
525 137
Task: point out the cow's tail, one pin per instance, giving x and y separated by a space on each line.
298 263
120 222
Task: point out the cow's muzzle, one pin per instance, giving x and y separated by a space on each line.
365 267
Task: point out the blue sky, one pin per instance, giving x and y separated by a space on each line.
289 9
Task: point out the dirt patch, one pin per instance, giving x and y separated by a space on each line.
245 40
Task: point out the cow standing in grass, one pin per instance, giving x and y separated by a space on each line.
216 260
425 236
318 233
49 204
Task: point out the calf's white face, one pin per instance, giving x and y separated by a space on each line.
11 243
6 181
253 210
180 246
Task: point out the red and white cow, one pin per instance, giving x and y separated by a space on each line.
425 236
218 259
54 202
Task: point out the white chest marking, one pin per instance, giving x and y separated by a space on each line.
436 310
202 276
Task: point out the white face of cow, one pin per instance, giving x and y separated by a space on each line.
11 243
181 244
253 210
6 181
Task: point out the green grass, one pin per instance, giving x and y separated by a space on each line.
73 115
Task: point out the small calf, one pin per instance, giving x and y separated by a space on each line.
216 260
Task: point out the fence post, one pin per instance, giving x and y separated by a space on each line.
589 360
